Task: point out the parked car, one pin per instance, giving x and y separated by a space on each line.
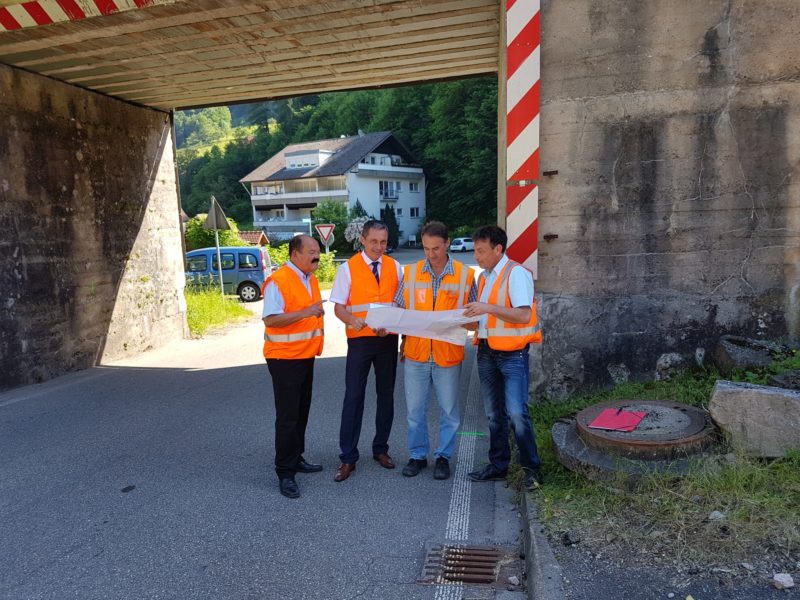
462 245
244 269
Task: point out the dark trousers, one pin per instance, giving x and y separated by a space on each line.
363 353
291 381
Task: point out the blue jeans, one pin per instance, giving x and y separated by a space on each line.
504 386
420 379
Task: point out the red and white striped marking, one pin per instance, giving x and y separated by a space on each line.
46 12
522 130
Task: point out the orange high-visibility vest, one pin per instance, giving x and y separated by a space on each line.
364 290
508 336
418 293
303 338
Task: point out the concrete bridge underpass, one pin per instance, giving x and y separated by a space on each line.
666 209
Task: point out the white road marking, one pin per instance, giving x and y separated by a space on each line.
457 528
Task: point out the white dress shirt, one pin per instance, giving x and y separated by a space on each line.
274 303
340 293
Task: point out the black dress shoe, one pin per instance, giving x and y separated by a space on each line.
488 473
307 467
289 488
533 479
442 468
414 466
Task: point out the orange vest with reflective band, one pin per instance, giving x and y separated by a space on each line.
303 338
418 294
508 336
364 290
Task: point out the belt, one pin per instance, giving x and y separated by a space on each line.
484 344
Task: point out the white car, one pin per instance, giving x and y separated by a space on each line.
462 245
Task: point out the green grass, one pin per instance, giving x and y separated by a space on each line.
665 518
205 310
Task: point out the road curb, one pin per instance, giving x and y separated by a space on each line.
544 572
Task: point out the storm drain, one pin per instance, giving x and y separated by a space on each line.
461 564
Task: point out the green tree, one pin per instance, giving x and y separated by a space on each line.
199 237
357 211
450 128
333 211
388 217
212 124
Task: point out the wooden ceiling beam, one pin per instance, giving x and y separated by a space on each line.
254 77
155 70
196 52
317 87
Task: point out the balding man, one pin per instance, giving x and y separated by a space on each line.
293 336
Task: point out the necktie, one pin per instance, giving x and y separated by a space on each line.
375 271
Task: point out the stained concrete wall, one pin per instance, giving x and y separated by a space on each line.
91 264
674 126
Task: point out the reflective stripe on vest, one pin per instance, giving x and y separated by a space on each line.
419 349
283 338
365 307
413 285
301 339
363 290
502 331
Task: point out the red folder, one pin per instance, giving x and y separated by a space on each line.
617 420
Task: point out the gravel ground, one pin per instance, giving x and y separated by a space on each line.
625 575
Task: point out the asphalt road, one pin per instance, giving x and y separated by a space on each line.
153 478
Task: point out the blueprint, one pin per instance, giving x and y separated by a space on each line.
442 325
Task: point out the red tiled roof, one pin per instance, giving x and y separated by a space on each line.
256 238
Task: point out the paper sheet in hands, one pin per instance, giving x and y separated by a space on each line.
442 325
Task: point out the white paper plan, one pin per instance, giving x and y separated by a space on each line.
442 325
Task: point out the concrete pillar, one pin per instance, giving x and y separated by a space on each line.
91 264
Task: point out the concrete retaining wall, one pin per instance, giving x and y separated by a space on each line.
91 263
675 130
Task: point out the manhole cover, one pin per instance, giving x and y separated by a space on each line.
461 564
669 430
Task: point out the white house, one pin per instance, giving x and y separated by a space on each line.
372 168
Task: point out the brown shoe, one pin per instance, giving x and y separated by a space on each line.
344 470
385 461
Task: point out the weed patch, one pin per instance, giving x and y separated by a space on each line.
672 520
205 309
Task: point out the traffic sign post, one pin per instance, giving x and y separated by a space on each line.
325 231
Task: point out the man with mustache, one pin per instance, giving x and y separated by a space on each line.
293 336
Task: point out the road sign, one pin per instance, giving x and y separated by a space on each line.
325 232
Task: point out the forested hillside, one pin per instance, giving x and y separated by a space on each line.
451 128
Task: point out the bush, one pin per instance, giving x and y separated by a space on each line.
462 231
335 212
278 253
199 237
326 271
327 268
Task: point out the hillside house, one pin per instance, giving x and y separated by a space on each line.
374 169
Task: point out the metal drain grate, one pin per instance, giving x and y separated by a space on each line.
461 564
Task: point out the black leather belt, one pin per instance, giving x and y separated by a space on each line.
483 343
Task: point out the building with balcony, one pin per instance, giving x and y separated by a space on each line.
374 169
